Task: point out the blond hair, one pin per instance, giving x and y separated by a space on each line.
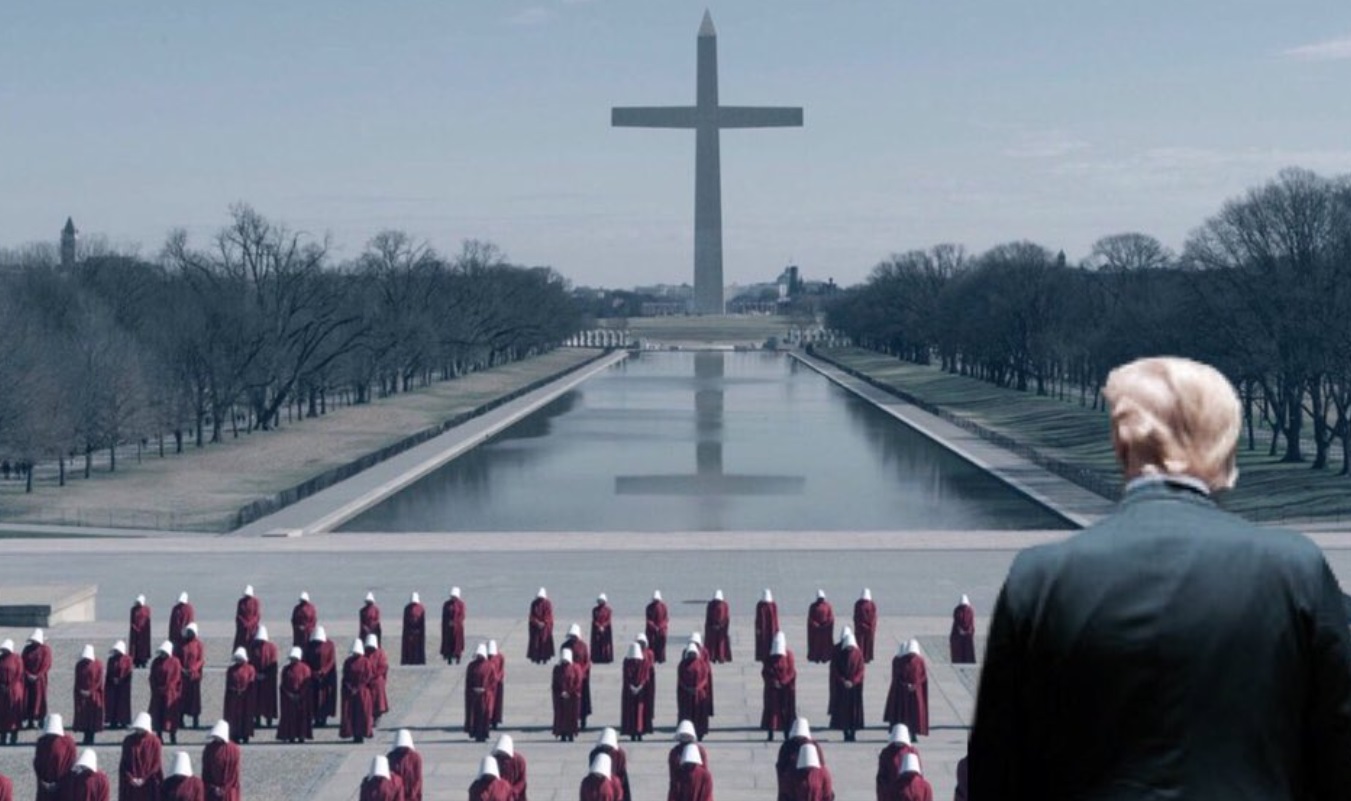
1175 416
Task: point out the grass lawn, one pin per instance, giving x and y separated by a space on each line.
1064 430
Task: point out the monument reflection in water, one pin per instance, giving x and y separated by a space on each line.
707 441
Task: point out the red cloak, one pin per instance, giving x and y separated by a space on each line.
414 644
633 717
368 621
479 694
820 631
53 758
865 627
602 638
378 788
11 692
657 622
138 635
239 700
692 783
812 784
6 788
192 656
962 638
304 618
913 787
540 648
846 690
407 765
183 788
499 663
889 769
717 618
619 768
785 765
248 613
692 690
179 617
600 788
651 687
117 691
166 693
321 657
37 663
263 658
358 710
296 721
452 629
780 693
379 664
491 788
766 625
87 785
677 753
89 695
140 772
581 657
220 770
512 770
566 689
908 698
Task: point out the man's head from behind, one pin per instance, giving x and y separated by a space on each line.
1174 416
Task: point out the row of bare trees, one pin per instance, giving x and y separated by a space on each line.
258 326
1262 290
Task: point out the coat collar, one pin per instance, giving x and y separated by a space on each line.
1178 487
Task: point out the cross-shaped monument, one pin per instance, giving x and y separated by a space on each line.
707 118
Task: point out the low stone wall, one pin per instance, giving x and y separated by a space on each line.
266 506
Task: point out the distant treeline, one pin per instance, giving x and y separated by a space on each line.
258 326
1262 290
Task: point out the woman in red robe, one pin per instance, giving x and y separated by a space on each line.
692 685
657 621
192 655
510 766
239 696
581 657
780 693
380 784
53 758
865 623
304 619
263 659
141 770
846 684
181 784
489 786
89 695
11 693
453 613
766 625
86 782
890 759
566 690
785 766
811 780
179 617
379 664
692 782
358 709
248 614
296 721
368 618
499 662
37 663
321 657
117 688
479 693
912 786
820 630
684 735
166 692
962 638
651 701
138 632
717 619
602 637
599 784
540 646
633 694
413 650
908 698
608 744
406 763
221 765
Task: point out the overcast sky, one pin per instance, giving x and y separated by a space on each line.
926 122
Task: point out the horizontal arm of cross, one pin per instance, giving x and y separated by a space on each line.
654 117
759 117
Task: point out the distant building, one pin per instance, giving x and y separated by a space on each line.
68 238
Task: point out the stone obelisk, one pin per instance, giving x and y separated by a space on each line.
707 118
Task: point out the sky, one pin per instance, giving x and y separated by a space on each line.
977 123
